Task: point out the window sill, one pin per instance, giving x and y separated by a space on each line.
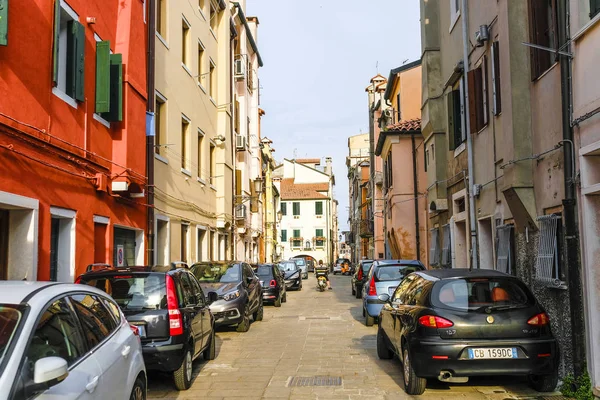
546 72
202 13
161 158
104 122
460 149
202 87
201 181
453 20
213 33
213 187
64 97
185 67
586 28
186 172
162 40
213 101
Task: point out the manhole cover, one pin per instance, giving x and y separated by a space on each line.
314 381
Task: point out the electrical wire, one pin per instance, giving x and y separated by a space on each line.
532 157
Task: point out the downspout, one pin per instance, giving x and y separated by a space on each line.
233 241
473 232
573 270
415 195
150 108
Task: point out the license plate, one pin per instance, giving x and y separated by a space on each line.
141 330
495 352
262 283
391 290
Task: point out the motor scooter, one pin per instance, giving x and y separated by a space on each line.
321 274
345 269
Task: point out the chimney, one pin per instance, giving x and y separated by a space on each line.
328 169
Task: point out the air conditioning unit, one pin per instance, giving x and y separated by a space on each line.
378 178
240 142
240 212
239 69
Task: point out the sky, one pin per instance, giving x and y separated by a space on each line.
319 56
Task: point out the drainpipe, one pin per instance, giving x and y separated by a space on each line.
415 195
150 105
573 271
473 232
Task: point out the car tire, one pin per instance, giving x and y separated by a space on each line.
543 383
183 375
210 352
259 313
369 321
358 296
284 298
139 390
244 326
383 351
413 385
278 302
364 312
353 291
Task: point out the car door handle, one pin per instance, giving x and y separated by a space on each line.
126 351
90 387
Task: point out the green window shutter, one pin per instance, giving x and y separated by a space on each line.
56 41
319 208
102 77
594 9
75 60
451 122
116 89
283 208
3 22
319 232
296 206
296 233
284 235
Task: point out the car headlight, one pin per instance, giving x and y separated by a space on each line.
231 295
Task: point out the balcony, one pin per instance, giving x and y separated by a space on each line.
365 228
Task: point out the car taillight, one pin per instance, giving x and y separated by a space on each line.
432 321
539 320
78 280
273 283
372 287
135 330
175 320
360 274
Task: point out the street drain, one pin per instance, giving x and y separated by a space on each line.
294 381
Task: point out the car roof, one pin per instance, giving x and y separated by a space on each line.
16 292
396 261
453 273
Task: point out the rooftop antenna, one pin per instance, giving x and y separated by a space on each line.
404 62
377 66
295 154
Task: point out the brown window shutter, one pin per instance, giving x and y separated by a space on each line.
450 109
238 182
253 200
479 108
496 78
472 101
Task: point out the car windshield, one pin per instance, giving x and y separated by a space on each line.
366 265
140 291
342 260
481 294
300 261
265 271
217 273
287 266
396 272
10 317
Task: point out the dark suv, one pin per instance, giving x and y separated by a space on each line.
238 289
170 310
273 284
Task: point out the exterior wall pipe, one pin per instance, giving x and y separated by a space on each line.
150 107
416 195
473 234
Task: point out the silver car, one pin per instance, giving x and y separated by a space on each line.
301 263
384 276
66 341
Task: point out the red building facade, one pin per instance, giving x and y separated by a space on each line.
72 136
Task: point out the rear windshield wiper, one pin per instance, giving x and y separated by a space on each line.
489 309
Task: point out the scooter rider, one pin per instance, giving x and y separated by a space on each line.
321 266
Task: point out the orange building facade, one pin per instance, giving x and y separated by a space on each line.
72 136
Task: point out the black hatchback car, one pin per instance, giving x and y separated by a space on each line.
360 277
454 323
273 284
170 310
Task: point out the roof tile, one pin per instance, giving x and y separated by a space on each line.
299 191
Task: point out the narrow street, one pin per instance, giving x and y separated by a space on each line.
314 334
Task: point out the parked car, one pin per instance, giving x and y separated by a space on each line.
301 262
311 264
451 324
66 341
238 289
292 275
339 264
384 277
170 310
360 277
273 284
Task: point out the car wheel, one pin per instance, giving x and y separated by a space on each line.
183 375
383 351
244 326
364 312
278 302
353 291
358 296
412 384
139 390
543 383
209 352
369 321
284 298
259 313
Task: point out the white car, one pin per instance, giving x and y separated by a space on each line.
66 341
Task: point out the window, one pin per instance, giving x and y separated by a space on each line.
57 334
454 12
283 208
214 18
161 18
109 83
434 246
95 319
284 235
319 208
185 142
199 165
160 125
548 266
543 32
296 239
389 176
197 290
478 104
213 80
201 5
446 248
185 227
189 298
399 109
505 248
455 131
296 208
68 56
319 242
200 72
211 163
185 42
594 8
496 92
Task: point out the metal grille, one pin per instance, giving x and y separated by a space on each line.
503 249
434 247
314 381
546 266
446 252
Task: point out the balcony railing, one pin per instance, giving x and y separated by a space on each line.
365 228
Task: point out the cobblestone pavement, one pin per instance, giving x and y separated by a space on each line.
314 334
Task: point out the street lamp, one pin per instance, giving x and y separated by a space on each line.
279 216
258 185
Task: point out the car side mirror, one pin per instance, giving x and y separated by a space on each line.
384 297
212 297
50 370
248 280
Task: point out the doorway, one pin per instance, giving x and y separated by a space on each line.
124 247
